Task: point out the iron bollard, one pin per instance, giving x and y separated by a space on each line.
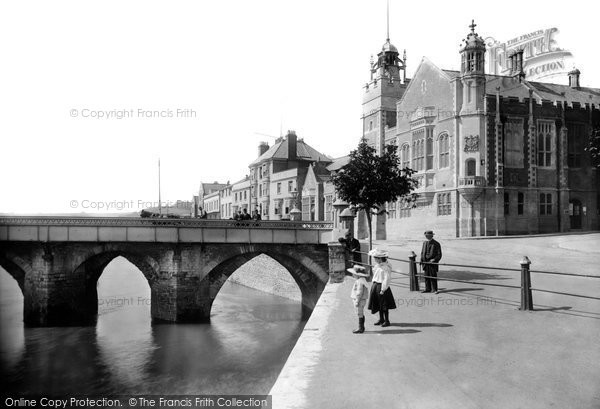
412 270
526 299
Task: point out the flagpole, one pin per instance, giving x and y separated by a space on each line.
159 202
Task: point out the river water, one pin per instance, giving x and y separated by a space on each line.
241 351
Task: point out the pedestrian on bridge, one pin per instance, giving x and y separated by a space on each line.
359 295
430 253
381 298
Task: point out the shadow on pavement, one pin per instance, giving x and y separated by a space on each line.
420 324
470 275
393 331
553 309
457 290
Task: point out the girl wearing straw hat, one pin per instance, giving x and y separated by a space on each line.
381 298
359 295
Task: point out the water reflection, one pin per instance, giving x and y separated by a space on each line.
12 340
241 352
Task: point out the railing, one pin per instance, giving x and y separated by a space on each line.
471 181
525 287
167 222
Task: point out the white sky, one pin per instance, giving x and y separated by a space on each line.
243 66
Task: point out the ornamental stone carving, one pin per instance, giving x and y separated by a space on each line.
472 143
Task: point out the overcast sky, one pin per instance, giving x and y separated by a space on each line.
244 67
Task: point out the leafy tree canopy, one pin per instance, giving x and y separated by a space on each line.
369 180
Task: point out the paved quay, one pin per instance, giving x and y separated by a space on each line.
467 347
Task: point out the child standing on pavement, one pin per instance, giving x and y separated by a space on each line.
381 299
359 295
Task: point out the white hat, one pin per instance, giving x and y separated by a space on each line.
358 270
378 253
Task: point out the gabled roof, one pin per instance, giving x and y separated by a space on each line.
207 187
304 152
511 87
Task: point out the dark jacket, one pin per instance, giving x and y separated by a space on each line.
431 252
353 245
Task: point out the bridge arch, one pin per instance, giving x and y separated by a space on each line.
17 268
85 278
309 273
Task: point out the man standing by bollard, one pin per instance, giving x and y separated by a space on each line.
430 253
352 247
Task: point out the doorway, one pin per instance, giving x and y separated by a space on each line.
575 212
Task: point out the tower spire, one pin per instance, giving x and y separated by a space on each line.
388 20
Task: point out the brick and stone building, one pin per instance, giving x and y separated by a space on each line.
494 154
278 174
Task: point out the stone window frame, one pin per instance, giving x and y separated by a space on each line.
546 151
520 203
405 158
443 150
545 208
444 204
513 124
507 203
418 150
575 145
429 157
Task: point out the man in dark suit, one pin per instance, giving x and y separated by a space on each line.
352 247
430 253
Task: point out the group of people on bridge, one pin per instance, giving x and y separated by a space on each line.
240 215
380 297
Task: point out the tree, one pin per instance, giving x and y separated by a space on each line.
593 147
369 180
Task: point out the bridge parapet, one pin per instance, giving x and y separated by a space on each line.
107 229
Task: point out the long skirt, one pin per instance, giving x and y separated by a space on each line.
381 302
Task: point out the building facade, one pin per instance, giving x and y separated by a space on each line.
278 175
493 154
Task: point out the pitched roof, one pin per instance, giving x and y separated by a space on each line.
512 87
339 163
303 152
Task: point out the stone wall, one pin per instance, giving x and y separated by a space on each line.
265 274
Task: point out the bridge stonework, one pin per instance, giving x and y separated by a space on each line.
59 278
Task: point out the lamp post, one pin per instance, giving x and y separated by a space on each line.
295 213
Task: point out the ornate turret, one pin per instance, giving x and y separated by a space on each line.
388 64
472 53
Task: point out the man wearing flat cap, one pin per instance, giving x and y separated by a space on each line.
430 253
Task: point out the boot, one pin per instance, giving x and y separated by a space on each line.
361 326
386 322
381 320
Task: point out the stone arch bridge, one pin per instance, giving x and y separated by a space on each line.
57 261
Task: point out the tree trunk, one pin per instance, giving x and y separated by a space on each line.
369 216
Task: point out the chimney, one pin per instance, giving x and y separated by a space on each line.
574 78
518 65
262 148
292 145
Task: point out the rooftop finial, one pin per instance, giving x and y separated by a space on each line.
388 20
473 25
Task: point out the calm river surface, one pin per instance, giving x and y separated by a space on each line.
241 351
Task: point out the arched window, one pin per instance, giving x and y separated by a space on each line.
444 149
545 142
429 149
405 155
470 166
